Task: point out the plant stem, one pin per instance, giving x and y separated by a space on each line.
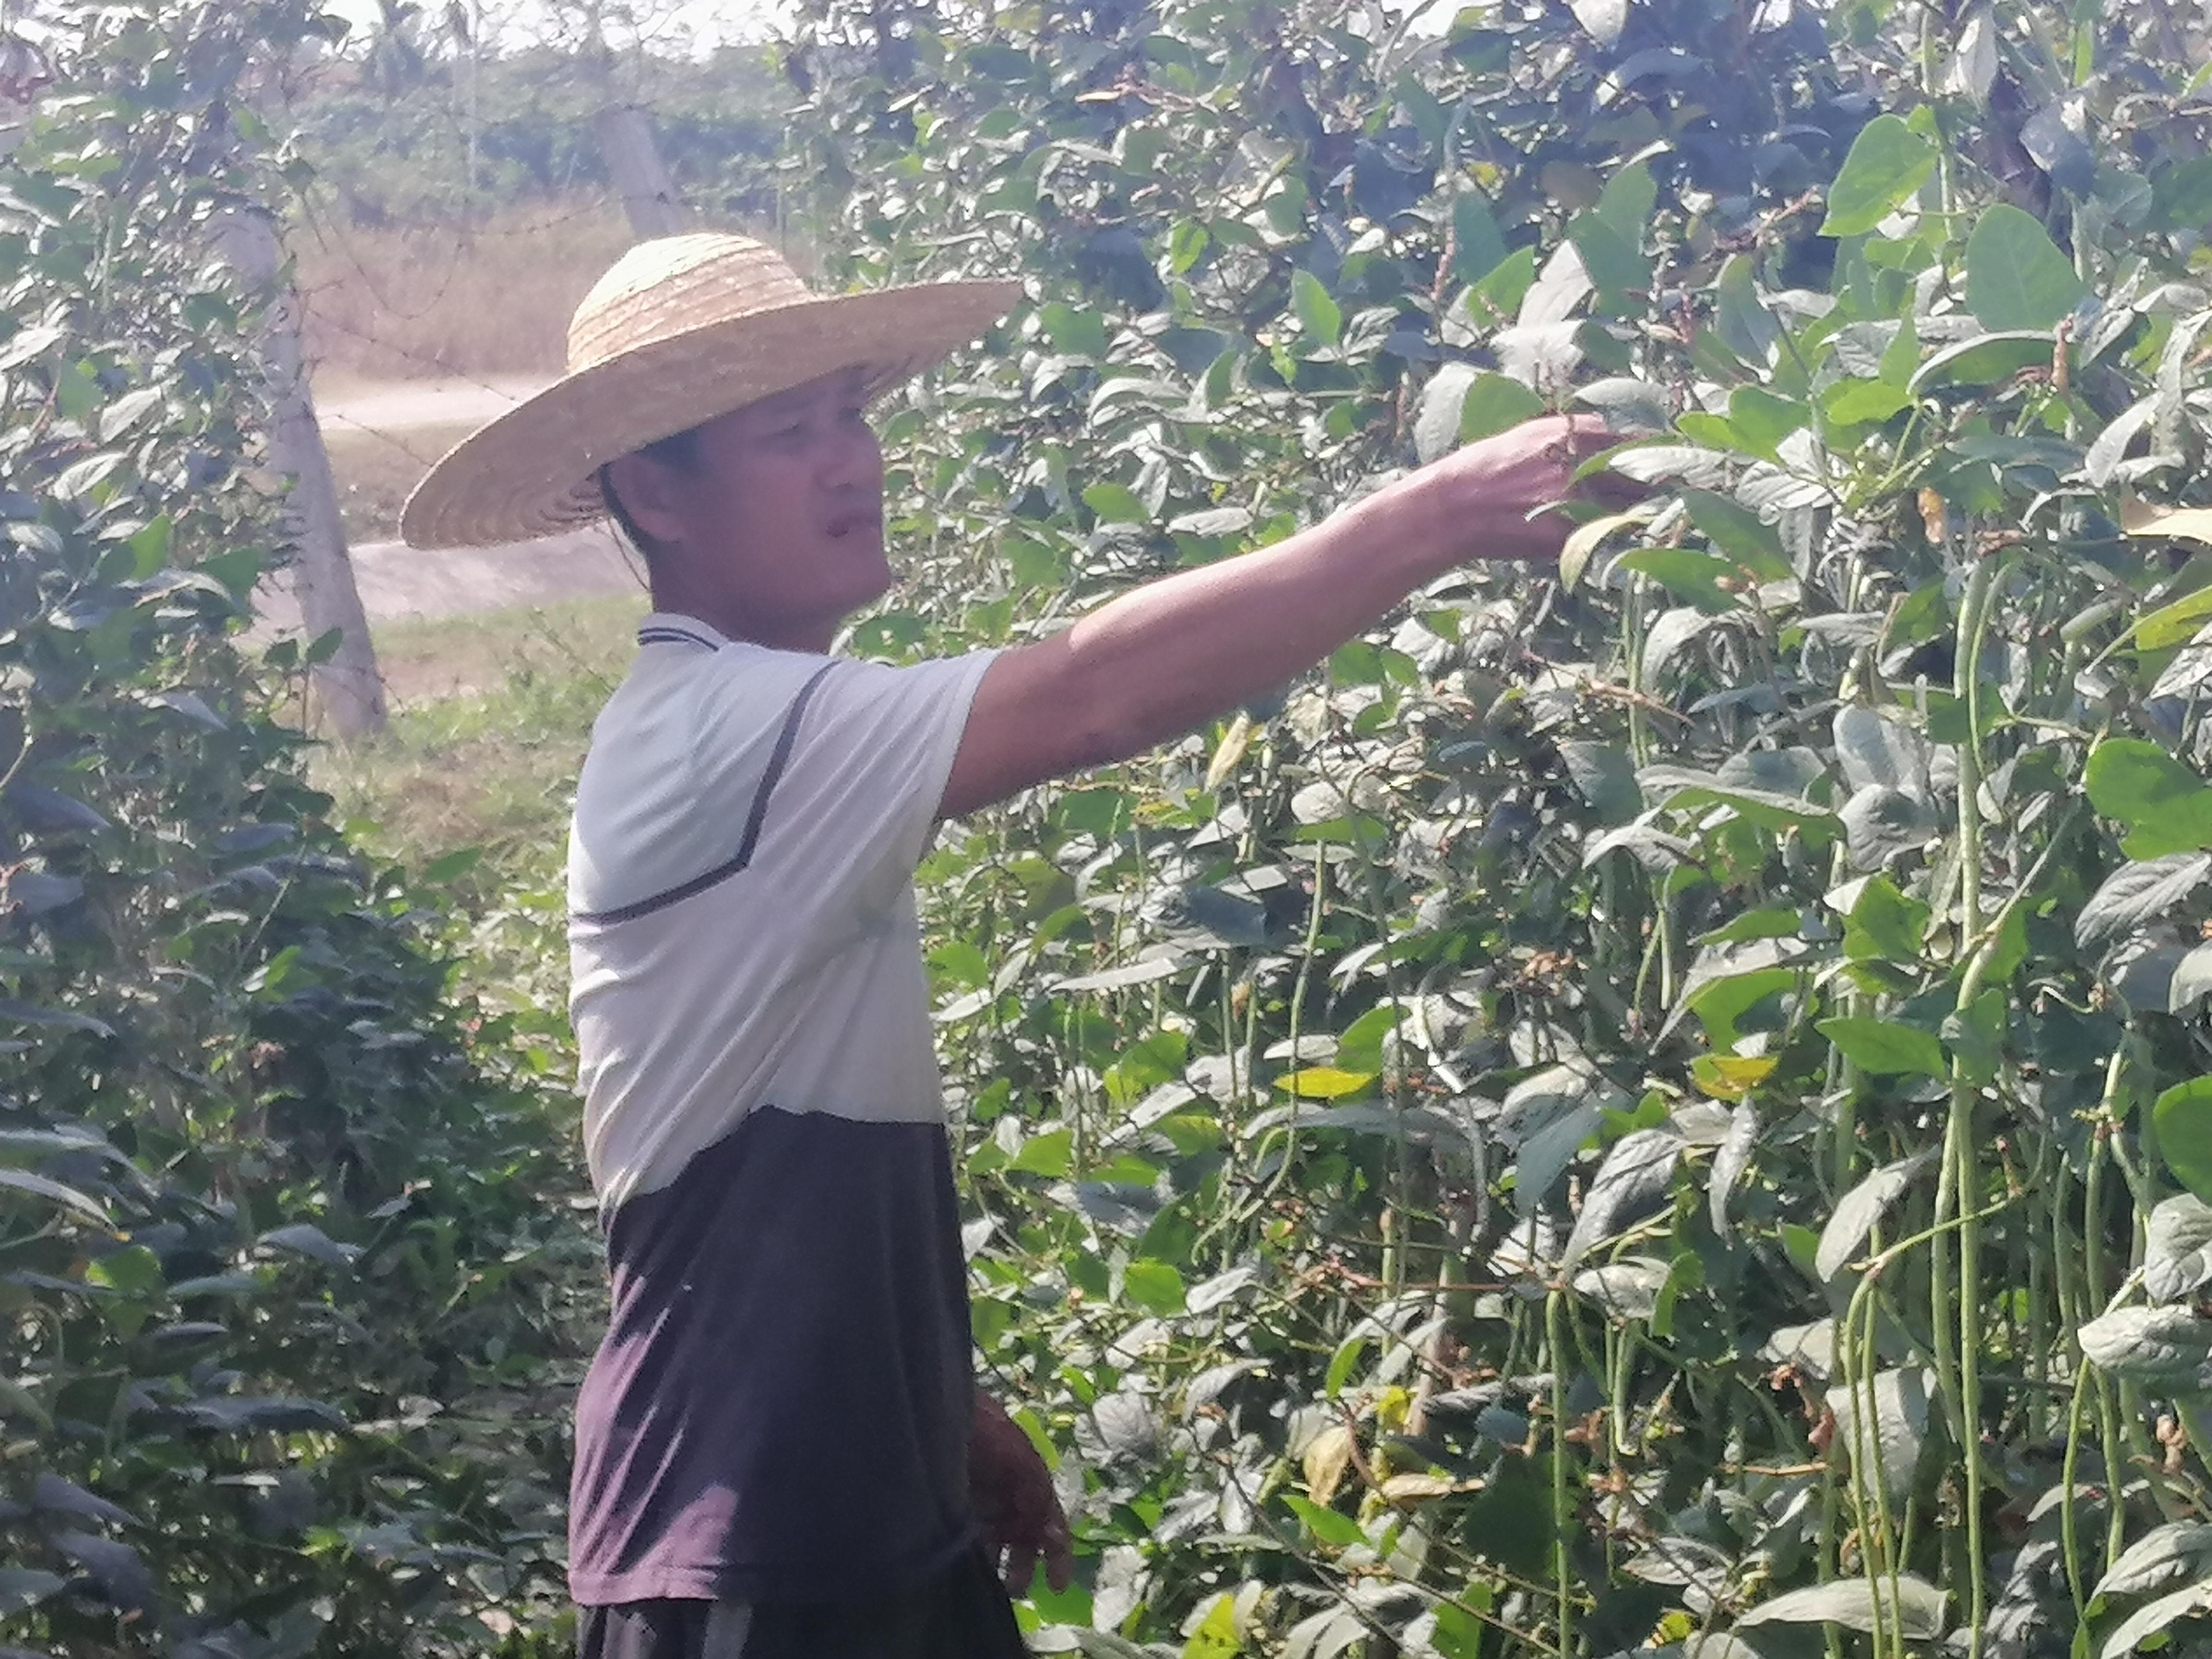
1563 1513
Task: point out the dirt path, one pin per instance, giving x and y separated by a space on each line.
400 583
403 406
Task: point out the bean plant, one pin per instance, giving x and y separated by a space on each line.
290 1280
1655 1106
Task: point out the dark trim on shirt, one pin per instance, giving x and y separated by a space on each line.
778 759
669 634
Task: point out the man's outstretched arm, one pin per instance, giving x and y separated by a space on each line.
1161 660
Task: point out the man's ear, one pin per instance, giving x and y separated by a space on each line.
651 494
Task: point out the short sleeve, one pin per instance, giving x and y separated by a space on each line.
851 812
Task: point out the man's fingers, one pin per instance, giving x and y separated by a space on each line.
1021 1566
1059 1555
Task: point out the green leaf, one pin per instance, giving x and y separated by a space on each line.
23 1181
2016 277
2138 895
1985 359
2167 807
134 1271
1605 775
2162 1557
149 548
1493 404
1762 420
444 870
1051 1154
1438 416
1769 809
1736 530
1478 249
2173 624
1612 261
1360 1047
2156 1345
1186 246
1117 503
1497 298
1699 579
1885 1047
1858 1211
2183 1115
1890 1444
1628 201
1332 1527
1320 318
1888 161
2153 1620
1740 318
1077 331
2182 194
1342 1362
1155 1286
1862 402
1884 925
1634 1176
1855 1603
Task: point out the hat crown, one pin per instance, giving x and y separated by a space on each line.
673 284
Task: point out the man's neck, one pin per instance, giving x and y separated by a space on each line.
798 633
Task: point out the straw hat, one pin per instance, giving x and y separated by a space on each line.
683 329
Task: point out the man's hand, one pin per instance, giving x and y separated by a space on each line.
1499 488
1015 1506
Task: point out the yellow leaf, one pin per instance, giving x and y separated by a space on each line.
1575 555
2188 524
1418 1488
1731 1077
1393 1407
1326 1083
1934 518
1214 1635
2176 623
1329 1455
1230 755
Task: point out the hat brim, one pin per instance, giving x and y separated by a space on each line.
534 471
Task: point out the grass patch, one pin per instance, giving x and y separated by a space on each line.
377 470
469 786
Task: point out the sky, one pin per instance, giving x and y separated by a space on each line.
707 22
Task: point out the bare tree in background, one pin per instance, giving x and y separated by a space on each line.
322 569
592 30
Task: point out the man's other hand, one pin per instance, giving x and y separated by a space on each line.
1016 1508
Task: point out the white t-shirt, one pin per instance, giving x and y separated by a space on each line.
783 1397
740 893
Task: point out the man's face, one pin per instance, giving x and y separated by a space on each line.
779 528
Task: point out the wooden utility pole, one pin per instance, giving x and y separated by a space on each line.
322 573
648 193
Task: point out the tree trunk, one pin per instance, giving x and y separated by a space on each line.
649 197
322 573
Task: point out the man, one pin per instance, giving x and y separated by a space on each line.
780 1449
